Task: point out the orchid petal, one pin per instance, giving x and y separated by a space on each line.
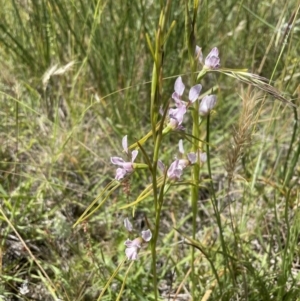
183 163
203 157
146 235
198 53
177 114
176 98
174 172
194 92
132 248
180 146
212 60
117 161
124 144
179 86
128 224
134 155
120 174
131 253
133 243
128 166
207 104
192 158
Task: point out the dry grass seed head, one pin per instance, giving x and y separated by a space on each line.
241 137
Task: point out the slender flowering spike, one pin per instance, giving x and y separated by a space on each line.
207 104
128 224
212 61
194 93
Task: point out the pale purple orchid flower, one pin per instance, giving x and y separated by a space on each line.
176 168
147 235
133 246
174 171
191 157
178 92
176 115
207 104
203 157
212 61
125 167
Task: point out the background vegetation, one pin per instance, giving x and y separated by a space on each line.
75 78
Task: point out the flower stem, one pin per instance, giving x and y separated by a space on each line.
156 91
190 39
214 201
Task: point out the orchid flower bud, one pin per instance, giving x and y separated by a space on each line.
212 61
207 104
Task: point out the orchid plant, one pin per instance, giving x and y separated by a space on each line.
195 107
176 168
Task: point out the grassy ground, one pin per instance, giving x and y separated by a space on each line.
75 78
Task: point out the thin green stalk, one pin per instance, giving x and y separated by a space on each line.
286 261
156 90
288 172
190 39
157 202
214 200
157 212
